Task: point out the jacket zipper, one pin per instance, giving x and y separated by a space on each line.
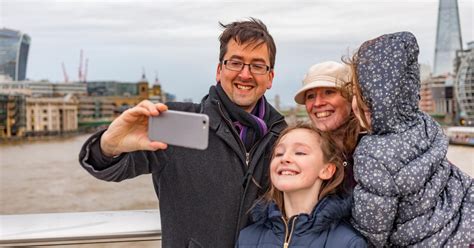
253 147
290 234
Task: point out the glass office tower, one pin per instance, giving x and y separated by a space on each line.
14 47
448 37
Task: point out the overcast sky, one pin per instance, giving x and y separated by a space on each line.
178 39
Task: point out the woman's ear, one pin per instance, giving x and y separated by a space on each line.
328 171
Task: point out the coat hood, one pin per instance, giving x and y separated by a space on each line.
388 74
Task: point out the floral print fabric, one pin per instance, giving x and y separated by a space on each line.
408 193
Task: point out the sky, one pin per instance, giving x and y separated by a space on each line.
178 40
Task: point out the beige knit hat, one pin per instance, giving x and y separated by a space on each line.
326 74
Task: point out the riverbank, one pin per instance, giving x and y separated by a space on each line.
24 139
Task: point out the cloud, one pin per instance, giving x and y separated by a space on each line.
179 38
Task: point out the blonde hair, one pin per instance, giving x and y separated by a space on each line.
331 154
362 105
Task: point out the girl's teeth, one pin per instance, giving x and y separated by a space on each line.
288 173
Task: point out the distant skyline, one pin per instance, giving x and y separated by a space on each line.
179 39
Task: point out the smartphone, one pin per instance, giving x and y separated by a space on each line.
179 128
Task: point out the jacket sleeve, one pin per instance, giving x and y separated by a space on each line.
127 165
375 199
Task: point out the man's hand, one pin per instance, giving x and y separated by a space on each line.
129 131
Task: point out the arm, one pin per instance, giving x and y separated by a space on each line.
375 200
116 154
129 131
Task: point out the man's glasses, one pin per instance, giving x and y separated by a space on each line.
235 65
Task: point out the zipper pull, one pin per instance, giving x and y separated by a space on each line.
285 245
247 158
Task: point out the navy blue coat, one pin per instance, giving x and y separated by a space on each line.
325 227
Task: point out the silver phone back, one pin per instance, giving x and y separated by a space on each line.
178 128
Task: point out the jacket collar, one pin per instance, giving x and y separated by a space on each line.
330 210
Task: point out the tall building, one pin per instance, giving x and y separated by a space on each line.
437 91
448 37
14 47
464 84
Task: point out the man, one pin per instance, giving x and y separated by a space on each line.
204 195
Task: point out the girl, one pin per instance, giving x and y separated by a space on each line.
302 207
408 193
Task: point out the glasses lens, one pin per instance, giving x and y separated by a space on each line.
234 65
258 68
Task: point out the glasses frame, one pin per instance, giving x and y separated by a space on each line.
268 68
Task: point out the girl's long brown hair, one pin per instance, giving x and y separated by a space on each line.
332 153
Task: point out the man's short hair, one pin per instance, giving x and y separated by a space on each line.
252 31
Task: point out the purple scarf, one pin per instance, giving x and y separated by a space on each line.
251 127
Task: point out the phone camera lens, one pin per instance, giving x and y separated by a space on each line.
204 122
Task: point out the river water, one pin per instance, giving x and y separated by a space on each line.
45 177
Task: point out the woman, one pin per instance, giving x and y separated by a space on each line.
326 93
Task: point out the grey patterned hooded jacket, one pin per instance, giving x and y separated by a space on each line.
408 193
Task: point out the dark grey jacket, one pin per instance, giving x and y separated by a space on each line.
205 195
408 193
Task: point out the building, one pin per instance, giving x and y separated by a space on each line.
63 89
51 115
12 115
155 93
437 96
42 88
107 99
426 102
14 47
112 88
464 84
95 111
439 99
29 108
448 37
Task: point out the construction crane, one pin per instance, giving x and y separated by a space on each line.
80 67
66 78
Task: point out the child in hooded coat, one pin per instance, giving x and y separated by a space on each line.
408 193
